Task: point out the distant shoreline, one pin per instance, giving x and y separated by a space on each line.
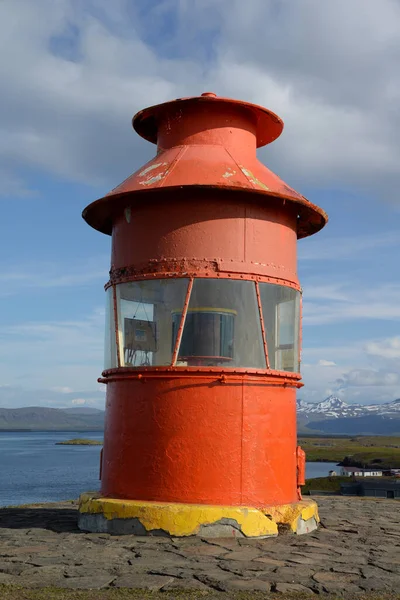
80 442
74 429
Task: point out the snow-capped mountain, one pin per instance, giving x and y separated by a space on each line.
334 408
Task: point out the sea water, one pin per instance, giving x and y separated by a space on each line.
34 469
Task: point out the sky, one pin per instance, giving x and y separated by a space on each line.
72 75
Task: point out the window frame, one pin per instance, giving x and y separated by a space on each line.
191 279
182 322
279 347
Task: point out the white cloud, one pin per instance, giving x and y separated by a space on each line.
72 81
350 302
79 401
325 291
370 377
388 348
17 396
62 390
352 377
326 363
54 354
333 249
20 279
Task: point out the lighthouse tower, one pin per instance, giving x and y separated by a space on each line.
203 332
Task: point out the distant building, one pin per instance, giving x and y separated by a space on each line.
332 474
357 472
372 489
391 473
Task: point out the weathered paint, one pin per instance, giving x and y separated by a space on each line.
289 514
180 519
222 232
198 141
256 182
229 173
151 168
187 519
152 180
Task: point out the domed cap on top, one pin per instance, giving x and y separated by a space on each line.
205 141
268 125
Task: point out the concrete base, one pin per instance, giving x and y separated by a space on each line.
130 517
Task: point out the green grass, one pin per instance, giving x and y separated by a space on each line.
80 442
360 451
324 484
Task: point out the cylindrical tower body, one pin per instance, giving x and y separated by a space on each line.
203 313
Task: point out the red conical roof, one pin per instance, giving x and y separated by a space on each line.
206 142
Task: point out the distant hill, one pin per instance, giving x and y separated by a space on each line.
82 410
368 425
37 418
333 416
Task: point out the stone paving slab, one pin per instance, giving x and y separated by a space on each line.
356 550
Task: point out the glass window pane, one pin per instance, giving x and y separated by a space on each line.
145 323
222 326
110 344
280 306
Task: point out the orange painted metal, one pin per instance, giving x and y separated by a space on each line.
203 207
205 231
301 470
127 274
187 440
301 466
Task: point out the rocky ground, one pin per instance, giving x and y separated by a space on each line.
356 549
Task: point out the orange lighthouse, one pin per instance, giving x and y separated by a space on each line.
203 331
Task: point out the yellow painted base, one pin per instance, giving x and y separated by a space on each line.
289 514
120 517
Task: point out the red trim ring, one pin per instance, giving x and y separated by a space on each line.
264 376
204 275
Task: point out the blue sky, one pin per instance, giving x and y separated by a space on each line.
72 74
